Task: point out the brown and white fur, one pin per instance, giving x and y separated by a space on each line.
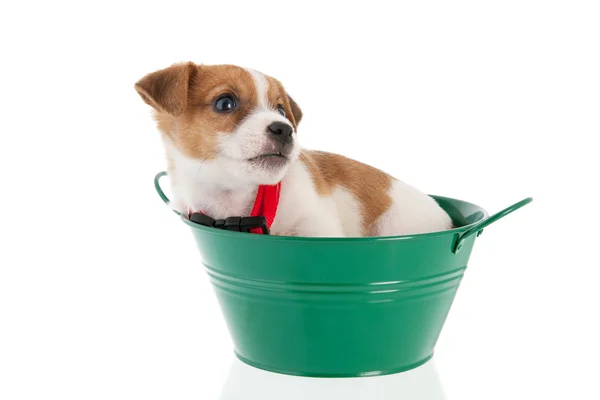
216 160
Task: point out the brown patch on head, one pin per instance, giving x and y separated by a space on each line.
278 96
369 185
183 96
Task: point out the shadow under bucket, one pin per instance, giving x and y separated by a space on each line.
339 307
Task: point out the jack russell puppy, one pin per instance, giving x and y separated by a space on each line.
230 132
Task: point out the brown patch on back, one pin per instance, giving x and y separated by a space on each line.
368 184
187 116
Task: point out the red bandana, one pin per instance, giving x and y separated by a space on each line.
265 205
267 200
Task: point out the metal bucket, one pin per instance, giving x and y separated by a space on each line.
339 307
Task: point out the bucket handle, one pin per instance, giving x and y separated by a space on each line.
478 228
160 192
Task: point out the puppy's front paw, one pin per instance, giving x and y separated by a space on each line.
179 206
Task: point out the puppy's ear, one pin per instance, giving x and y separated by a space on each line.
167 89
296 111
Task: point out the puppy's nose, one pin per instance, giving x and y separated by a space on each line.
281 131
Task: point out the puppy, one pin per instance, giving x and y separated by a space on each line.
230 131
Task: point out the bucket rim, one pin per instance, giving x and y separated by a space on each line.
364 239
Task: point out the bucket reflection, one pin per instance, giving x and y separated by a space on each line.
245 382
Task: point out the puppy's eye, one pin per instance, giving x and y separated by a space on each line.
280 109
225 103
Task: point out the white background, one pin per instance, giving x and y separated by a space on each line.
102 293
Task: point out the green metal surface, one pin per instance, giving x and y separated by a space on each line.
339 307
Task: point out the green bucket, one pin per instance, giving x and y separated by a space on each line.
339 307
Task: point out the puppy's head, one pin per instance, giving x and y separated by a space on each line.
240 121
